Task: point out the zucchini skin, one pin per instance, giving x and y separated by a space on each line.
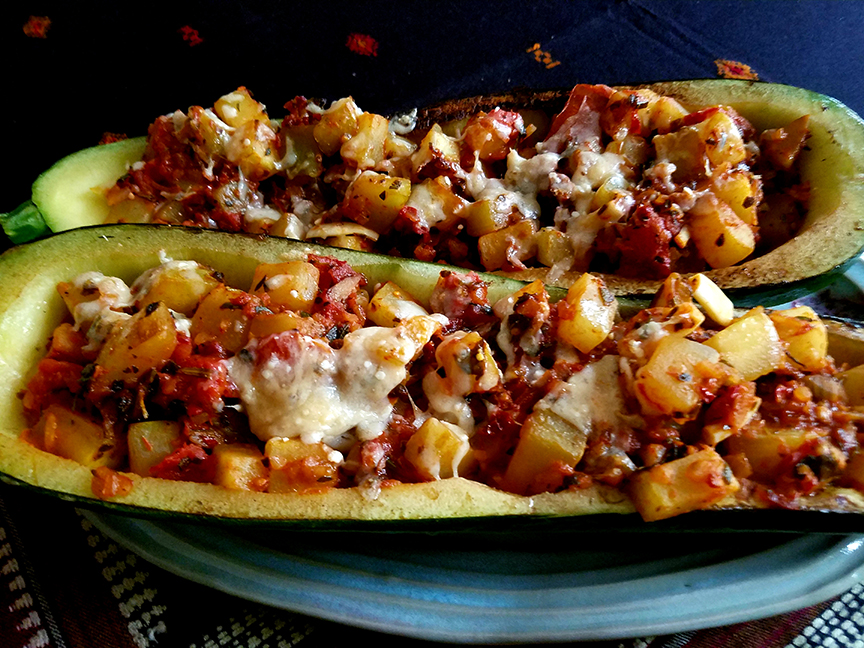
832 237
30 308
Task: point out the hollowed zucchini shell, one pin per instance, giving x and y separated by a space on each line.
832 235
831 238
30 308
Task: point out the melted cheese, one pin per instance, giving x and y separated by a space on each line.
320 393
591 398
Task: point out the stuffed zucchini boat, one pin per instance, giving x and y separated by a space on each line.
759 186
253 378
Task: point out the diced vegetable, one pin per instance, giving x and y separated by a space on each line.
69 434
391 305
150 442
439 450
692 482
292 285
221 318
805 336
545 441
721 237
672 380
750 344
587 314
240 466
134 347
296 466
179 286
374 199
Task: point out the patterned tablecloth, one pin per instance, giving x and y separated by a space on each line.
78 74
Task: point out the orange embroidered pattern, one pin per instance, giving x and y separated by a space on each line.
362 44
735 70
37 26
110 138
190 35
542 56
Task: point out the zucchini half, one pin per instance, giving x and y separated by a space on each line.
30 308
831 238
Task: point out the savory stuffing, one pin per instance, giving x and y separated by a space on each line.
619 181
310 379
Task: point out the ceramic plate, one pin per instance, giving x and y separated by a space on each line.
499 588
467 589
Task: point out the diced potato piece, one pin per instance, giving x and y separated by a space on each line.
724 143
139 344
587 314
468 363
374 199
390 305
436 203
265 324
691 483
240 466
253 148
698 148
684 148
150 442
439 450
75 436
292 285
853 384
220 319
553 246
750 344
545 440
710 297
664 112
296 466
740 190
338 124
671 380
438 153
509 246
238 107
487 215
366 149
769 453
613 189
179 285
805 335
720 236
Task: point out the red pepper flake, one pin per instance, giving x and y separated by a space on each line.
735 70
108 483
37 26
190 35
362 44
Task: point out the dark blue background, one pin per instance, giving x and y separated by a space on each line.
115 66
